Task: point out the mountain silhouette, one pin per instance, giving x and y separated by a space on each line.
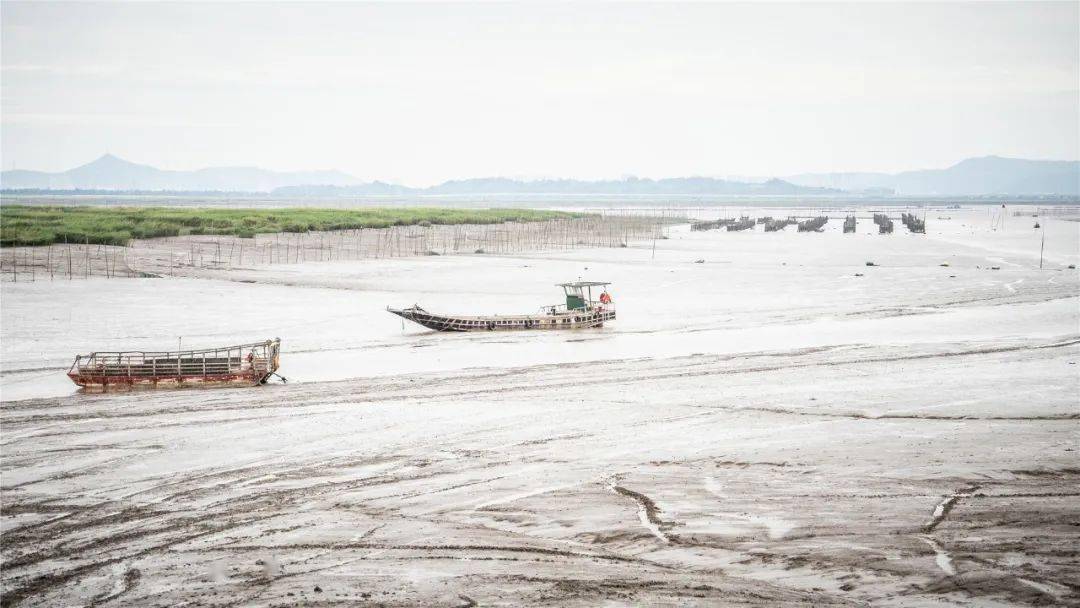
988 175
113 173
985 175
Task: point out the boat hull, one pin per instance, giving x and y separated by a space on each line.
540 322
105 381
239 364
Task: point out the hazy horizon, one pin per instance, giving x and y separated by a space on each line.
419 94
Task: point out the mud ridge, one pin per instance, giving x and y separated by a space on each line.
860 416
44 583
131 580
941 511
368 396
447 547
649 512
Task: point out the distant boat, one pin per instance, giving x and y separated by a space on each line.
239 364
580 311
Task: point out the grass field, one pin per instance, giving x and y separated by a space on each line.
23 225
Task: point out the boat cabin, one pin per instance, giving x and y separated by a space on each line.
579 295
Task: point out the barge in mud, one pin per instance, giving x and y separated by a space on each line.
579 312
238 364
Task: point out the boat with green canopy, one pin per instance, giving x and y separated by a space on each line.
580 311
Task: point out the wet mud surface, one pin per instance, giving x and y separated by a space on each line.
791 437
563 485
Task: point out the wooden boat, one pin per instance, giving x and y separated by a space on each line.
239 364
580 311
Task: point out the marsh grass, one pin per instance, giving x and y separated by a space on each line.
25 225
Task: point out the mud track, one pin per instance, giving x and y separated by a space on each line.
480 484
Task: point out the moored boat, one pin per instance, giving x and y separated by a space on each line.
238 364
580 311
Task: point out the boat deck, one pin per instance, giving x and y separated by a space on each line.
243 363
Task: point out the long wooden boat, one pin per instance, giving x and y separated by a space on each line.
580 311
239 364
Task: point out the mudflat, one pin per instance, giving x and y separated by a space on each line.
780 424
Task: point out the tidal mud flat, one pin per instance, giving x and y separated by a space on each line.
764 427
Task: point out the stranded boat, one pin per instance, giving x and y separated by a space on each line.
241 364
580 311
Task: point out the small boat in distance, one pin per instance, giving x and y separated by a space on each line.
238 364
580 311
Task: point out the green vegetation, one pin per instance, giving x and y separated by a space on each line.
41 225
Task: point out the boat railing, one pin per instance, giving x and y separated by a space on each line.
556 309
258 357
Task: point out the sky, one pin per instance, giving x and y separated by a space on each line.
421 93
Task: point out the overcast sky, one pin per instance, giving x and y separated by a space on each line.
420 93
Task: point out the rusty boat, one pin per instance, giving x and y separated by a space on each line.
580 311
238 364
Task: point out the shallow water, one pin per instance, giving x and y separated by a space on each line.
754 291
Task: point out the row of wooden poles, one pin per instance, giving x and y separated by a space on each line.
64 261
176 255
1058 211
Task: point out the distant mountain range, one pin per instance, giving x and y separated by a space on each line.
989 175
974 176
112 173
502 185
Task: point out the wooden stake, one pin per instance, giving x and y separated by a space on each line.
1042 246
